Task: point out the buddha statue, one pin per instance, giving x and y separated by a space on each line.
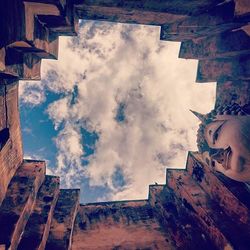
224 140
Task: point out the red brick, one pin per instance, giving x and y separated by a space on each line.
19 200
223 69
11 155
60 234
37 229
233 91
218 20
180 225
114 225
198 203
180 7
237 44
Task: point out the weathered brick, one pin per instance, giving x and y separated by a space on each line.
33 35
60 234
239 189
25 66
66 23
197 202
237 44
210 214
218 20
181 226
233 92
114 225
242 8
11 13
237 68
11 155
37 229
180 7
123 15
19 200
211 184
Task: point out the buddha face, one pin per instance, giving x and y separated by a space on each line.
228 137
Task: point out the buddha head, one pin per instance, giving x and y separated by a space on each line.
224 140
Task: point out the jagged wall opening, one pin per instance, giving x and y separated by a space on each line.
156 88
193 211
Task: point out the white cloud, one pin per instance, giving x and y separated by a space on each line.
69 155
31 93
113 64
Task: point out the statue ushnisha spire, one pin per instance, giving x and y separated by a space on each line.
200 116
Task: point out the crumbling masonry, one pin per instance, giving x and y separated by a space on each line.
197 208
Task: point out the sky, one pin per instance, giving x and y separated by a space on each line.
112 113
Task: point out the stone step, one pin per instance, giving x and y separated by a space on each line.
198 204
22 17
118 225
215 188
242 9
181 7
60 19
239 189
59 3
125 15
44 44
34 36
218 20
237 44
233 204
66 23
223 69
178 220
237 91
61 229
19 201
24 66
37 229
221 226
60 25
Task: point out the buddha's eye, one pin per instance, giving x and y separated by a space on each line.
213 164
216 135
217 132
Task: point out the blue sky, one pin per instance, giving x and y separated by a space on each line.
113 112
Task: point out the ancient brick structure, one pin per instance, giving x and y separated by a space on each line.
198 208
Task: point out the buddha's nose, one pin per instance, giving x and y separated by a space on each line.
219 155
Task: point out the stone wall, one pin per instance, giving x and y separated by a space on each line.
118 225
11 154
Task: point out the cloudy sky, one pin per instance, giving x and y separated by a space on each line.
113 112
